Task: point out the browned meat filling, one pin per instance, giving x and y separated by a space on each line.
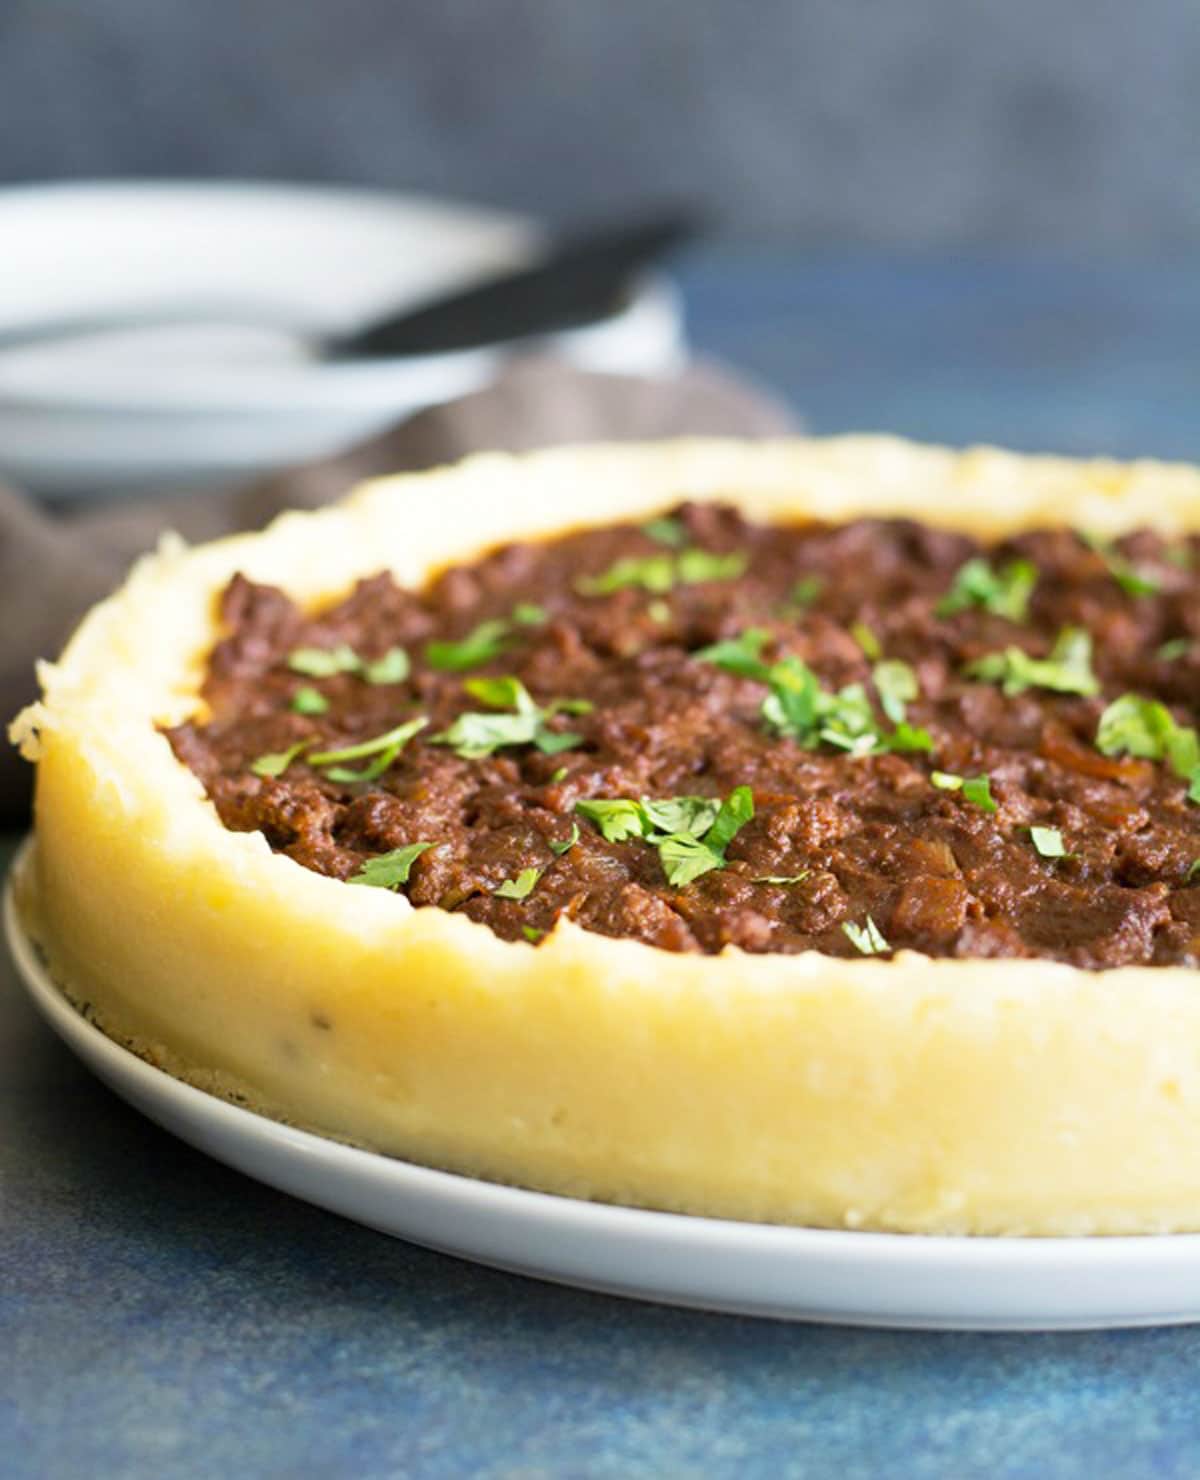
919 742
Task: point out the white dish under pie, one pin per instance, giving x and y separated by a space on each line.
872 1279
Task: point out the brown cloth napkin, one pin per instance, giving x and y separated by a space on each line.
54 566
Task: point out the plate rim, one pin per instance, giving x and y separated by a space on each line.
834 1250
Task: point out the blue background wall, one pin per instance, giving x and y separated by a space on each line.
1055 123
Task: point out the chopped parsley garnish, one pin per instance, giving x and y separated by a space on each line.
1193 872
781 878
519 888
739 654
474 735
532 934
1048 841
558 775
1177 647
1146 728
650 572
866 640
896 684
385 748
1132 581
690 833
805 591
661 573
799 707
867 938
1067 669
390 870
316 662
665 531
529 614
276 762
659 611
1004 592
975 789
695 566
485 642
617 820
308 700
559 848
393 667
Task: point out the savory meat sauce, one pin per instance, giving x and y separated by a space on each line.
703 732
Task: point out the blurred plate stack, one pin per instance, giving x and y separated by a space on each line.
236 392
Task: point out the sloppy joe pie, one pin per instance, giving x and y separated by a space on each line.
803 832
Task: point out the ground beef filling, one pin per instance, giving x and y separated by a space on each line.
845 852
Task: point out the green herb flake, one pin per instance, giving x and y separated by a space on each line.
1193 872
1048 841
314 662
781 878
799 707
690 833
393 667
616 820
866 640
696 566
978 791
1177 647
308 700
665 531
390 870
385 748
558 775
896 684
654 573
906 737
660 612
1004 592
474 735
1132 581
685 858
276 762
867 938
485 642
693 815
975 789
1067 669
519 888
559 848
659 574
1147 729
532 934
529 614
739 654
805 592
399 735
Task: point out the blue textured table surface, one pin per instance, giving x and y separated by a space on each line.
161 1316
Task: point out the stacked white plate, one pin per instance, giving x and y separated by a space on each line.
180 406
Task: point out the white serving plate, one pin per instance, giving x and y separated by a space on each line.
182 406
864 1279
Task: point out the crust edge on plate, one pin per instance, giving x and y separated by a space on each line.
919 1095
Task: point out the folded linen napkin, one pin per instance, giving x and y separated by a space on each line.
53 566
